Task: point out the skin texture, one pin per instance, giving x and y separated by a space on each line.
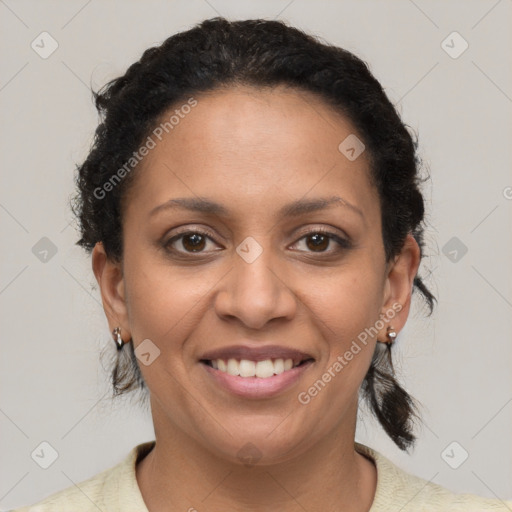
254 151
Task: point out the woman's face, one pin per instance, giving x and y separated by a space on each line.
257 281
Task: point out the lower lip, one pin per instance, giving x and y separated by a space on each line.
254 387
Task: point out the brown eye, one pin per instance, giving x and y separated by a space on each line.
191 242
319 242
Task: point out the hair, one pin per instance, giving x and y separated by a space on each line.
218 53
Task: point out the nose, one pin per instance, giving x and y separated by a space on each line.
256 292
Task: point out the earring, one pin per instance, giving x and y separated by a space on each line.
391 335
116 333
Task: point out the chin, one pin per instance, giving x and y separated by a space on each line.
258 445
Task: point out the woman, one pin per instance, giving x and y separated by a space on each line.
253 210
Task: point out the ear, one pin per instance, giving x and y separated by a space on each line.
399 285
110 279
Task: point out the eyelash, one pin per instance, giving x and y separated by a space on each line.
342 242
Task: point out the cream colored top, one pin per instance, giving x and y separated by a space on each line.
116 490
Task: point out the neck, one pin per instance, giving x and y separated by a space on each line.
180 474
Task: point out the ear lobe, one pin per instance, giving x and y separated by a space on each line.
400 282
110 279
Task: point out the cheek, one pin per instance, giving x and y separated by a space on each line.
344 309
347 301
164 305
165 308
342 312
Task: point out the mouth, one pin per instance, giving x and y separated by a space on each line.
255 372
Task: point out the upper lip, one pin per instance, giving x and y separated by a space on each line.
260 353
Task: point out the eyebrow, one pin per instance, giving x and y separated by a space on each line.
296 208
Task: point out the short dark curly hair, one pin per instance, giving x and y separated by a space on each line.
218 53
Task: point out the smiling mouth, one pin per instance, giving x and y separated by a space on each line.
256 369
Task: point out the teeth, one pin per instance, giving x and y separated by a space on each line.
246 368
278 366
264 369
233 368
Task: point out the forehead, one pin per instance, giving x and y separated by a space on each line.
270 123
253 146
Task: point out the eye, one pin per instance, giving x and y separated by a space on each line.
318 240
192 241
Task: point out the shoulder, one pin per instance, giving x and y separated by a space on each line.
399 490
113 489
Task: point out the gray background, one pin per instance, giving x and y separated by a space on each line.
456 363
